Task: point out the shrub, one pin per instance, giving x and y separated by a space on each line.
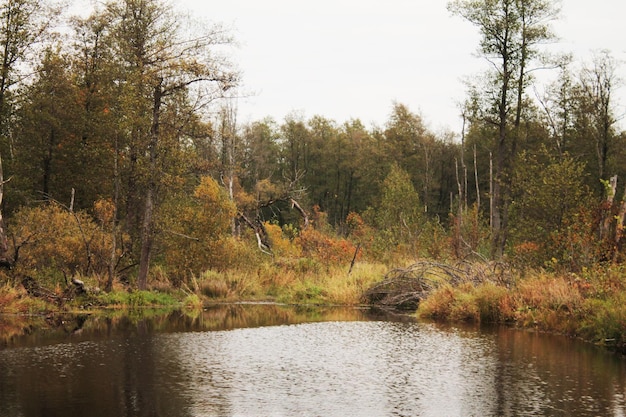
213 285
494 303
58 241
281 244
549 293
328 249
199 229
604 321
438 304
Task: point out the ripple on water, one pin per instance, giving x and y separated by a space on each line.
356 368
338 368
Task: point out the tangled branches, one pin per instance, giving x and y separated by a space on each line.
404 288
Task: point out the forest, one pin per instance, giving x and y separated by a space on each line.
124 166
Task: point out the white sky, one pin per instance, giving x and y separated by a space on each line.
346 59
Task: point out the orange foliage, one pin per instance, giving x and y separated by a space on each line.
104 210
357 229
328 249
527 254
52 237
201 232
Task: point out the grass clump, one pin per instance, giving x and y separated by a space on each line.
590 305
603 321
15 300
137 299
485 302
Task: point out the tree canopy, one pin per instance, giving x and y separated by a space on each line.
129 114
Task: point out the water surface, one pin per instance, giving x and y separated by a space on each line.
252 360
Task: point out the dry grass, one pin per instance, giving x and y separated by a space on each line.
592 307
293 281
15 300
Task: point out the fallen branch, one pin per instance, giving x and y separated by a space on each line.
405 288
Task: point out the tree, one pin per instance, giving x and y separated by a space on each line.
326 178
596 115
295 145
412 145
363 165
548 195
161 68
198 230
559 103
23 24
261 153
399 212
47 134
511 31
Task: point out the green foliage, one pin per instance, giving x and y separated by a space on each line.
398 216
549 193
104 118
137 299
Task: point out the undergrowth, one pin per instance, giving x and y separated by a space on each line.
590 305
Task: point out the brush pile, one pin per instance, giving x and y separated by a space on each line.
404 288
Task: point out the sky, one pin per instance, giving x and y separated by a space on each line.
352 59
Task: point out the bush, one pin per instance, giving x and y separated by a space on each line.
199 229
328 249
54 241
549 293
604 321
214 285
494 303
438 304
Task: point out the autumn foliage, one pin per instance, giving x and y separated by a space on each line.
196 234
51 241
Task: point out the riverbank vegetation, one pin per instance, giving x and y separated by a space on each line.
127 180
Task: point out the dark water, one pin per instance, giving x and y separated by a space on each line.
267 360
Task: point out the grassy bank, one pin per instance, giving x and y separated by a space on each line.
590 305
299 281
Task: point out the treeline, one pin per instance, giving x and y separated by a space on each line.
121 127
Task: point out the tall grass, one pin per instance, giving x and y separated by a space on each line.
483 303
15 300
301 280
591 306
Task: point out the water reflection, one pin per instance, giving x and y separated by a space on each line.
553 376
267 360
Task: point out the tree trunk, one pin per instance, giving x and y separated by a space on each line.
116 198
5 261
146 230
619 227
607 217
146 242
476 180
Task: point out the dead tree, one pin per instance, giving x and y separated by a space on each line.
259 231
256 224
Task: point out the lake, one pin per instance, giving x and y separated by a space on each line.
273 360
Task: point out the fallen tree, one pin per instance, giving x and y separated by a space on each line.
256 224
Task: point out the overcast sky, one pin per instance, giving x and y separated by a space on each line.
346 59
